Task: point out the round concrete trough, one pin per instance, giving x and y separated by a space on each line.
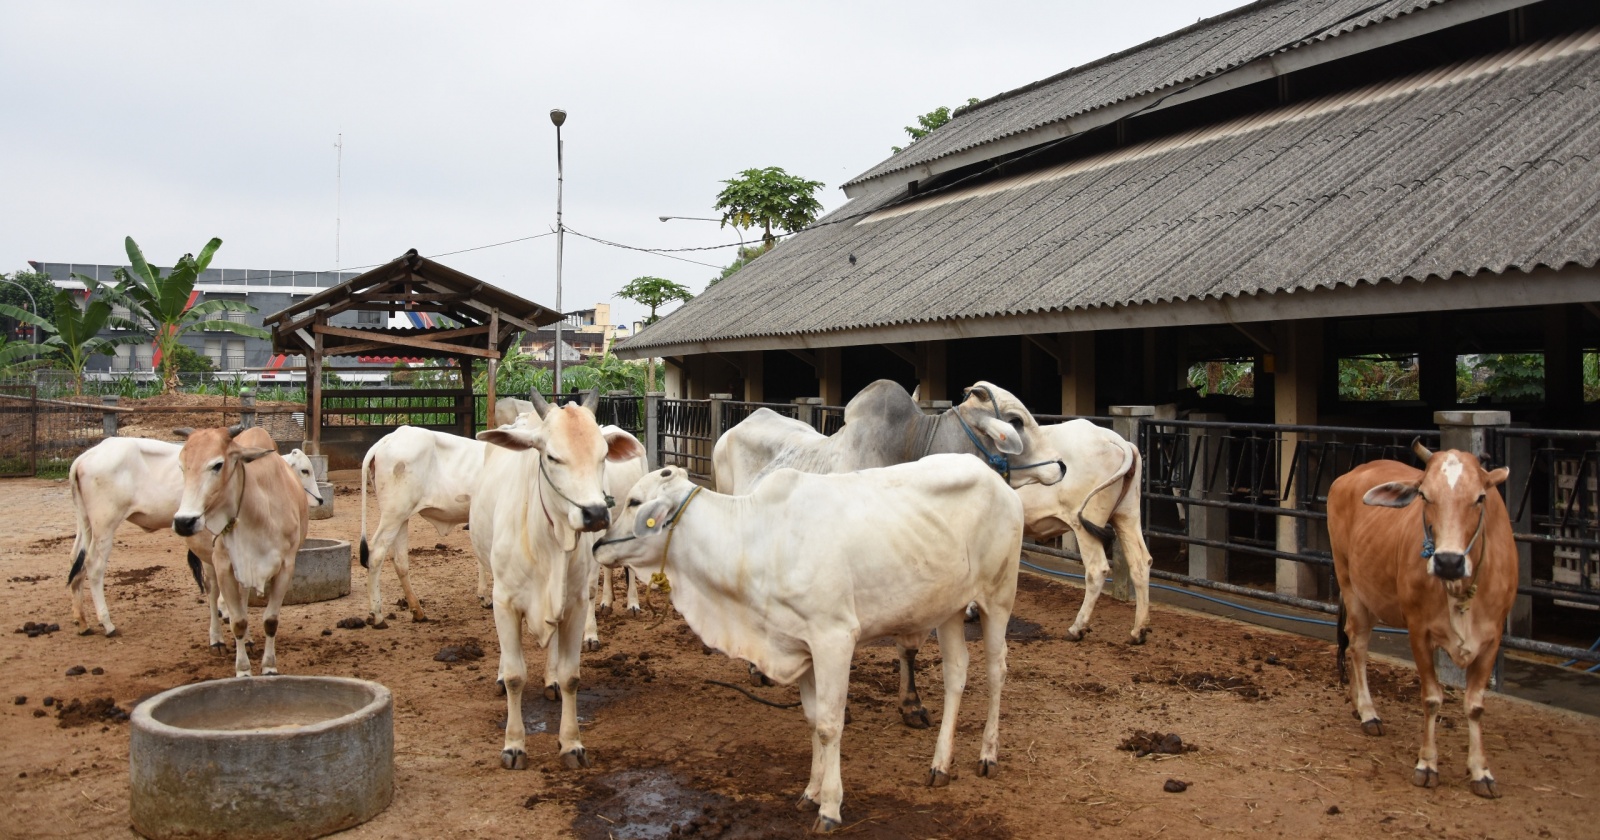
321 573
324 510
269 757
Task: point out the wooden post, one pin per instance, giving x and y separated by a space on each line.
831 384
468 419
933 384
314 395
108 420
652 427
1077 375
494 364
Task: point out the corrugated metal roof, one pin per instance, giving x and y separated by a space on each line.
1207 48
1488 165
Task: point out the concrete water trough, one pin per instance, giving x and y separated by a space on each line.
262 759
321 573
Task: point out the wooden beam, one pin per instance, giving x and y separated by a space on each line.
401 341
911 357
1260 336
409 297
808 357
735 362
1054 350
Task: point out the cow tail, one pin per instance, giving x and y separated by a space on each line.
1127 476
194 569
82 538
1344 642
365 462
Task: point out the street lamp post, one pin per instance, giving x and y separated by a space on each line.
736 229
558 116
33 331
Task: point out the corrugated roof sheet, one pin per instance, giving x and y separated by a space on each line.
1489 165
1212 46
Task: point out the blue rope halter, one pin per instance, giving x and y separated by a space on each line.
997 460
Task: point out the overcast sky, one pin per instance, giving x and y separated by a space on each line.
174 122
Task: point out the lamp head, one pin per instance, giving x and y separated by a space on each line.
558 116
664 218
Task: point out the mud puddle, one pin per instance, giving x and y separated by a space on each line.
541 715
648 804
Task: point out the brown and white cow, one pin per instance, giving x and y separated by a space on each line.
252 501
538 502
1429 550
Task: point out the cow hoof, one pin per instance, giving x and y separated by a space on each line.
824 825
634 612
241 674
219 647
1138 638
971 615
1425 777
578 759
805 803
1372 727
419 618
603 609
757 678
1075 635
591 644
514 759
552 692
499 688
269 672
915 718
988 768
486 603
87 631
111 632
938 778
1484 787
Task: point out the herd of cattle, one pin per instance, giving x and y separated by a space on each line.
808 546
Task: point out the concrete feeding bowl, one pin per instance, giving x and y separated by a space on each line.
325 509
321 573
271 757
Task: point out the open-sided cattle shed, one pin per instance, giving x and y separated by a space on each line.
473 322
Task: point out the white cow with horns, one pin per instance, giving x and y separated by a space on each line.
540 498
134 480
794 575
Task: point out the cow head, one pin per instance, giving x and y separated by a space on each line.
572 451
638 532
1008 436
213 479
300 462
1454 489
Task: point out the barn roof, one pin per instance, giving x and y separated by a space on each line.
1484 166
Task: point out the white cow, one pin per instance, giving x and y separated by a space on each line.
130 480
255 505
415 472
542 494
794 575
1101 487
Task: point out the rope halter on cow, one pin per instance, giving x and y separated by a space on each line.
998 461
610 502
238 504
1464 600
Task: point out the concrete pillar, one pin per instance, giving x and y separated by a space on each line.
1297 366
652 428
1077 375
675 383
754 376
247 409
934 383
830 384
1469 431
807 412
1208 523
108 420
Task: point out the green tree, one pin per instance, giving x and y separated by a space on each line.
160 304
746 254
188 360
653 292
74 334
930 121
1500 377
768 198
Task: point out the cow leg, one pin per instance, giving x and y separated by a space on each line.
382 545
830 670
95 572
1095 569
1358 627
953 649
513 675
808 704
995 620
269 620
912 712
1427 771
566 649
213 606
485 581
402 568
607 596
591 625
1478 674
633 590
238 620
1139 562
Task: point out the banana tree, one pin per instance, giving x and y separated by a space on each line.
160 304
74 332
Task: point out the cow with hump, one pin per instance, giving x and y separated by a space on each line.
540 500
135 480
883 425
251 500
1429 550
794 575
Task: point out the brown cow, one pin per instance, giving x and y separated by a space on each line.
253 502
1445 569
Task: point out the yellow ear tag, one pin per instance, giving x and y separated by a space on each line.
650 523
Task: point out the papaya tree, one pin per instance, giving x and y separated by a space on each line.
73 333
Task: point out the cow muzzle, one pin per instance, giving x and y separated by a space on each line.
595 517
1448 566
185 526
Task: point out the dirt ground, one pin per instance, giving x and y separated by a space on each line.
1275 749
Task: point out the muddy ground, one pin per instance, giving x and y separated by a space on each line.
1275 750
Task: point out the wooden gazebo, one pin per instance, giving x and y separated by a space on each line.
475 322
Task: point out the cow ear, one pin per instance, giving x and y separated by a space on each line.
651 518
1006 439
1494 478
1395 494
621 446
184 432
513 438
248 455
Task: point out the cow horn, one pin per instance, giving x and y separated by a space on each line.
236 429
1421 451
184 432
539 405
591 400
